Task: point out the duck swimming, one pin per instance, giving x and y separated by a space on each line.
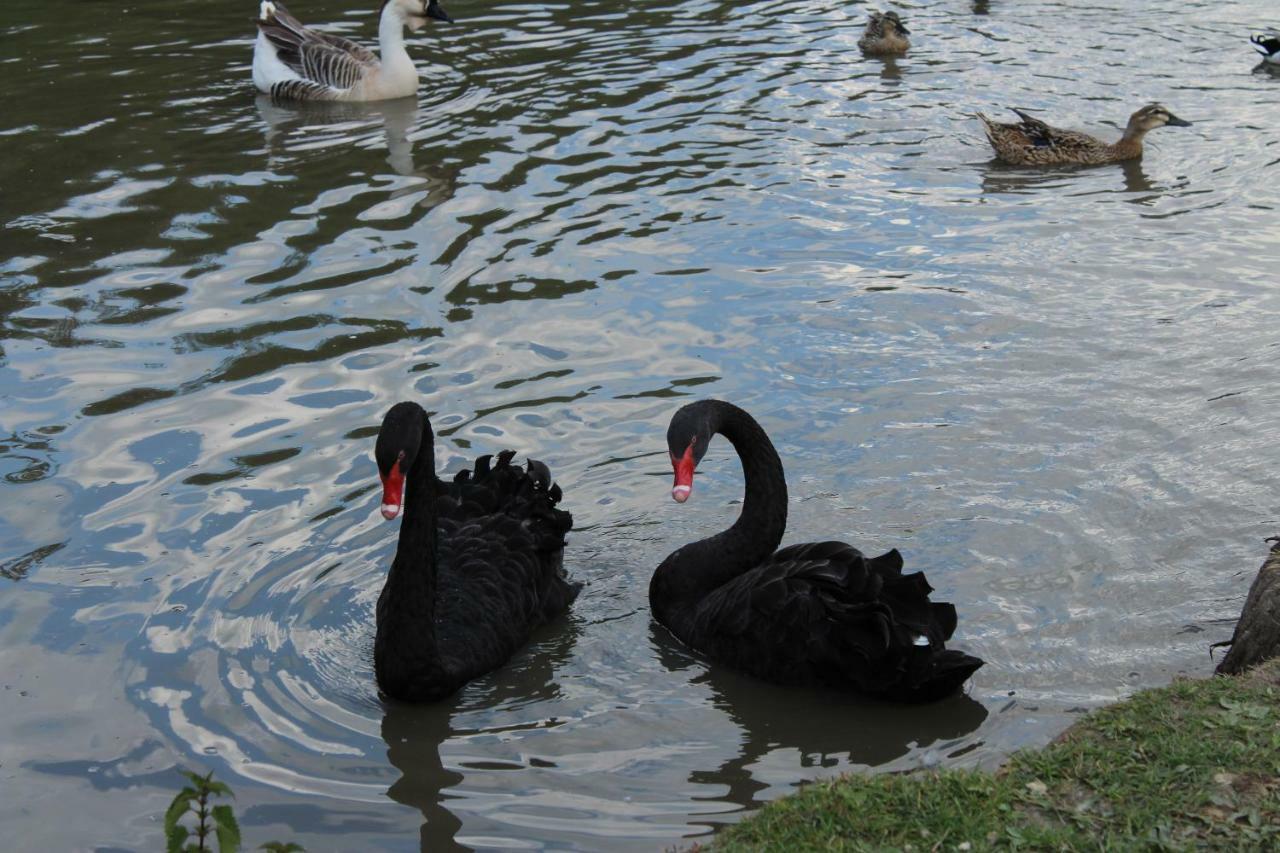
1031 142
885 34
291 61
1269 46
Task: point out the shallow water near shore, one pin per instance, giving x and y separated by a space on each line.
1052 390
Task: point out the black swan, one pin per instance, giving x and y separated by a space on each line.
819 613
478 565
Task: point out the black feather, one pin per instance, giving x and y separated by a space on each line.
817 613
478 567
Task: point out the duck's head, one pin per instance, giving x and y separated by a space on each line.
414 13
1152 116
687 439
892 23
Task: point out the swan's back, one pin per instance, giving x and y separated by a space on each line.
500 574
822 613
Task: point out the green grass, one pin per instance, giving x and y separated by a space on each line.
1195 764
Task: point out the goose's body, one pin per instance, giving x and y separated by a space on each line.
291 61
478 565
885 34
815 614
1031 142
1269 46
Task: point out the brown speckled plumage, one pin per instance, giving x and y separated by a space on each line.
885 34
1031 142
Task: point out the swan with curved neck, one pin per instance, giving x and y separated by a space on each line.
292 61
819 613
478 566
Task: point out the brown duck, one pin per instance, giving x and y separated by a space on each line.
1031 142
885 34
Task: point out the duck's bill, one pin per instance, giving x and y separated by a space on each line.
1174 121
435 10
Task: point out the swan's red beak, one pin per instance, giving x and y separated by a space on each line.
392 492
684 475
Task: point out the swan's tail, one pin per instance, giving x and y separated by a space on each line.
937 677
919 629
494 485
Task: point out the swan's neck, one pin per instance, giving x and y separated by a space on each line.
395 60
697 569
764 506
406 654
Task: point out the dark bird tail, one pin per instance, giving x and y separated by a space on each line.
942 674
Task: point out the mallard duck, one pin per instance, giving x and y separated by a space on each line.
1031 142
885 33
1269 46
292 61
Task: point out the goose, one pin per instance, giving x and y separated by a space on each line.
293 62
814 614
1031 142
885 34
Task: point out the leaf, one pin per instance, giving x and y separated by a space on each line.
181 805
174 838
219 788
226 828
195 778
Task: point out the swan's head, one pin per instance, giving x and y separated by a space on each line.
414 13
687 439
1154 115
397 448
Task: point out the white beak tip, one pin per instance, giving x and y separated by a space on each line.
680 494
390 511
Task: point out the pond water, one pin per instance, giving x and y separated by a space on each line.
1053 390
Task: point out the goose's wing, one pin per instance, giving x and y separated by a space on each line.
319 59
501 538
824 613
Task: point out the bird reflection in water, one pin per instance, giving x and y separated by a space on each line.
829 728
1000 178
295 128
414 734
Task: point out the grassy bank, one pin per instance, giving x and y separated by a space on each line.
1195 763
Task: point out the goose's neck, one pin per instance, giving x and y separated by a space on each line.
393 54
701 567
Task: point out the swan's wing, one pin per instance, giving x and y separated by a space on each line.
500 571
823 612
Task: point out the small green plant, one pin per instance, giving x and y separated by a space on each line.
218 821
210 821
